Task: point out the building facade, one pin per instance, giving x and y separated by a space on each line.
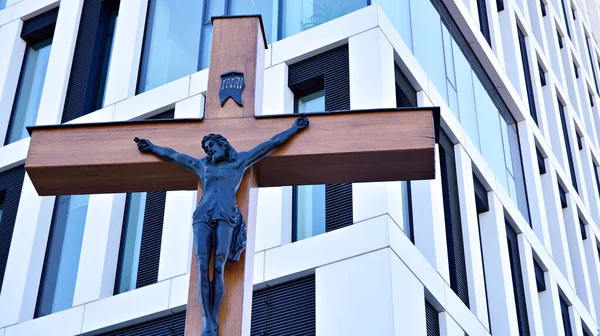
504 241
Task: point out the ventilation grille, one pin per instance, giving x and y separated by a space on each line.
287 309
152 230
333 66
172 325
80 89
11 183
338 206
432 320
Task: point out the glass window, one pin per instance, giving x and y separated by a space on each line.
131 240
398 11
29 92
300 15
2 4
171 43
428 43
314 102
62 255
265 8
309 219
310 211
107 48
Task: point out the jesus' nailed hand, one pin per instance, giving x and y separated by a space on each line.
217 221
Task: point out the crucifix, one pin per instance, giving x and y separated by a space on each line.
333 147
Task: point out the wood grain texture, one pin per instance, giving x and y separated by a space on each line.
237 46
238 275
335 148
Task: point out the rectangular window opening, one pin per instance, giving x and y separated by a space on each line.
517 279
563 196
582 228
564 310
541 162
564 10
542 75
57 286
539 277
560 39
543 7
527 74
565 130
576 70
483 20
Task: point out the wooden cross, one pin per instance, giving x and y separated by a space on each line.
337 147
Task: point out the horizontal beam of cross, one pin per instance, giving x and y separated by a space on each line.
386 145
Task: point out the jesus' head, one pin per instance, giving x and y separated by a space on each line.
218 149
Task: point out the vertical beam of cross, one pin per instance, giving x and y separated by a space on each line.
238 45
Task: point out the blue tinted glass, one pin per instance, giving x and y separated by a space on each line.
2 4
29 92
131 240
466 96
211 8
398 11
490 132
407 209
265 8
314 102
310 211
300 15
62 255
428 44
108 44
172 42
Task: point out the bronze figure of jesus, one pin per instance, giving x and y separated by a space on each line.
217 222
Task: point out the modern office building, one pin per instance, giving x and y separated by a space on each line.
504 241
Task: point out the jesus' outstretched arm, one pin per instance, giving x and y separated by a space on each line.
255 154
165 153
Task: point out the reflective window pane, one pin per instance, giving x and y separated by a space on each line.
172 42
106 58
2 4
428 42
310 199
314 102
310 211
300 15
398 11
62 255
29 92
131 239
265 8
